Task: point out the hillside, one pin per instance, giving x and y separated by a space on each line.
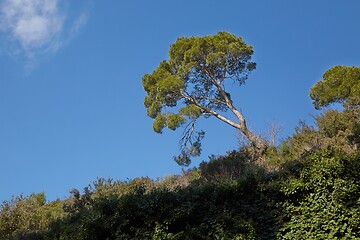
314 196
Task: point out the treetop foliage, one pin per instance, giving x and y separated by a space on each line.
192 64
340 84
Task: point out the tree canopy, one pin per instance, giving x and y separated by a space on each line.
340 84
194 76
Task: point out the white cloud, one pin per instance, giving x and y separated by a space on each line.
37 27
32 23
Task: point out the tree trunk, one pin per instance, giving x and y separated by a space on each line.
259 145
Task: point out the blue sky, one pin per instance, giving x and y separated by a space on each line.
71 99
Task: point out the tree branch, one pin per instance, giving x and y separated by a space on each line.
210 111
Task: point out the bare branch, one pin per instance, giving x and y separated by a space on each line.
219 88
273 129
187 134
212 100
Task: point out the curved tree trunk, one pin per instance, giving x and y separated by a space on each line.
260 146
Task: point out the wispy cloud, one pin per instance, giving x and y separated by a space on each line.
36 27
79 23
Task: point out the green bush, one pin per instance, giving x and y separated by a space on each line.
27 217
323 202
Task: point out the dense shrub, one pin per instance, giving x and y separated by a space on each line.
222 210
323 202
234 166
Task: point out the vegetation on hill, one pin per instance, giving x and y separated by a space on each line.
314 197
